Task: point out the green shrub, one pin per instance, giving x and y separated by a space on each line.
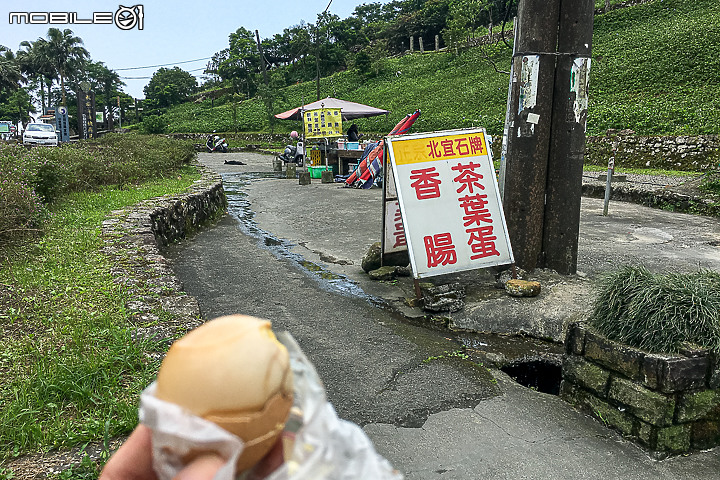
21 208
657 312
31 179
711 183
153 124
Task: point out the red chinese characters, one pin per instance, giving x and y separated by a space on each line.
475 207
440 250
426 183
456 147
468 178
477 218
399 231
482 242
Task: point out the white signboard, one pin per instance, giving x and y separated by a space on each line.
394 240
450 201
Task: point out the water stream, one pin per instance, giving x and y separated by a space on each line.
239 207
515 352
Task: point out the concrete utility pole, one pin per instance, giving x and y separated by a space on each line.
262 59
529 131
546 136
567 139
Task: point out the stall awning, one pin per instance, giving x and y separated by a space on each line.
350 110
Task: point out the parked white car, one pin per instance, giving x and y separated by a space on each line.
40 134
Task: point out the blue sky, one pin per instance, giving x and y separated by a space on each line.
173 31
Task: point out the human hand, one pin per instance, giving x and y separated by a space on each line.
133 461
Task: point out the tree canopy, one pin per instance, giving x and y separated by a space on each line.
169 86
330 44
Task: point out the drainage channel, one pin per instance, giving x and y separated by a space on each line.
239 207
531 362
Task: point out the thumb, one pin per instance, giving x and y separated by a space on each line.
202 468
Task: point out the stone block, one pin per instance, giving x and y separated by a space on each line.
326 176
304 178
672 374
674 439
652 370
575 339
698 406
691 350
714 377
647 405
608 414
291 171
383 273
646 434
705 434
522 288
613 355
612 417
573 394
586 374
684 374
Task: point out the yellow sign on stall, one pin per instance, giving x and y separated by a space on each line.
323 122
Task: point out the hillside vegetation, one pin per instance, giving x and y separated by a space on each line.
655 71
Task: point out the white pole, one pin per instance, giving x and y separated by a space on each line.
611 169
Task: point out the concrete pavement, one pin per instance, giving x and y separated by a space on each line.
522 433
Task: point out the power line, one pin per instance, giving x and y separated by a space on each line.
163 65
145 78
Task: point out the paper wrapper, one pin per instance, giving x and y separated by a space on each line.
318 445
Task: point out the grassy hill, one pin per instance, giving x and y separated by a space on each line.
655 70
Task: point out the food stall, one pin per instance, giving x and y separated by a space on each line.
325 142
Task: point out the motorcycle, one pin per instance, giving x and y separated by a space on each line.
293 154
216 144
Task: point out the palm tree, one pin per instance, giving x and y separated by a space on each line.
66 52
35 62
10 75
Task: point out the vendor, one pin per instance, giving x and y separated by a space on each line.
352 134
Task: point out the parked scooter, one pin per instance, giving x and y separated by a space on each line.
216 144
294 154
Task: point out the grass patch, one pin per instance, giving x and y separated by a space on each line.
657 312
711 183
642 171
68 368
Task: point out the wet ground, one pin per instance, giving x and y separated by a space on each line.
493 350
292 254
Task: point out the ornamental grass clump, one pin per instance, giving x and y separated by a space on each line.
658 312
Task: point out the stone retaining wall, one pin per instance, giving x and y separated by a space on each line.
688 153
668 403
250 139
658 198
134 236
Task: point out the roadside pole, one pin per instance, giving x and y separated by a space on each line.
529 129
267 95
567 138
506 126
608 184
